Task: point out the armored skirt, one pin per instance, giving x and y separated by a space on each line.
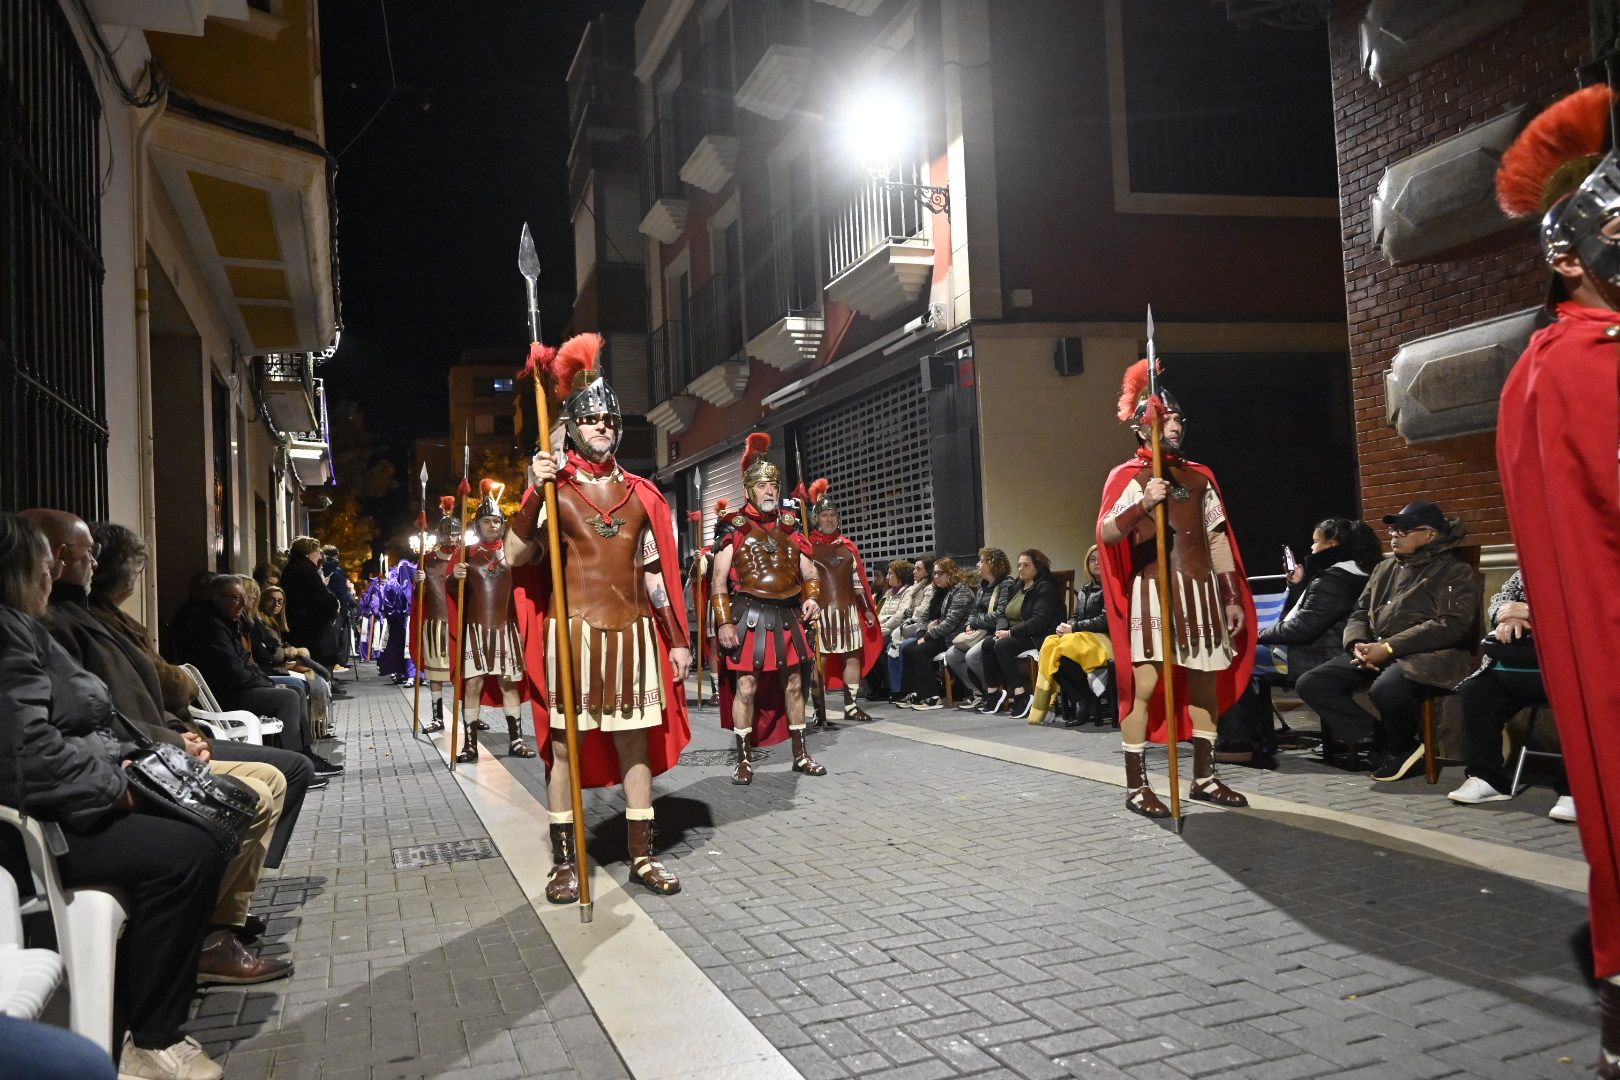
436 649
496 651
618 676
770 634
841 631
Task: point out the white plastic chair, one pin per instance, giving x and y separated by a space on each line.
88 925
28 977
237 725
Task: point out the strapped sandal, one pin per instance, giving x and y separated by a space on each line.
855 712
1145 801
644 866
433 726
519 748
1211 790
808 765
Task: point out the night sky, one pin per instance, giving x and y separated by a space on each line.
433 188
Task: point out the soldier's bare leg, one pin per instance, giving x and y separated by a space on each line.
793 693
562 883
644 867
742 721
1203 705
1139 794
512 705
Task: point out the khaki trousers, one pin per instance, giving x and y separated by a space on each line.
242 875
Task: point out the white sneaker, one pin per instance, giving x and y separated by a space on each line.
1475 791
1563 809
184 1060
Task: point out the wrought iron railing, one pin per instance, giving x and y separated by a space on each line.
716 322
756 25
662 155
784 281
704 104
668 361
876 215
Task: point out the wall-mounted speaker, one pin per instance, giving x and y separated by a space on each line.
1068 357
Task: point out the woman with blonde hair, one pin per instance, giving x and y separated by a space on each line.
1076 656
947 614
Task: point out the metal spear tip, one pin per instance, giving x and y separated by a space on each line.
423 474
528 261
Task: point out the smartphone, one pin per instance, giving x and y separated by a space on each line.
1290 564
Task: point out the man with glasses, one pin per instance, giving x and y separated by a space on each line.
1408 638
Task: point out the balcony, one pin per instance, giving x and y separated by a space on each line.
663 199
668 372
286 387
784 299
601 87
855 7
880 250
770 47
707 114
309 452
719 367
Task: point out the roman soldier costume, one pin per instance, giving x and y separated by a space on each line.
492 648
1556 444
763 597
616 533
432 650
1206 578
851 640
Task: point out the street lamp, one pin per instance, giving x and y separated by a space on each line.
416 543
881 134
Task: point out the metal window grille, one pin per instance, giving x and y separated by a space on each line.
53 425
874 453
722 479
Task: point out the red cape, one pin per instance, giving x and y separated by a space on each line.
416 604
490 694
599 760
1555 445
871 632
1116 577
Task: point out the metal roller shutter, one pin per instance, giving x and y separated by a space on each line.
874 453
722 479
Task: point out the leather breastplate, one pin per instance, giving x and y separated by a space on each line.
1187 545
606 580
489 589
837 565
436 579
766 562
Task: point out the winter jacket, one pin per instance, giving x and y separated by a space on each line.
1042 610
226 665
990 604
178 688
57 729
1426 607
129 676
894 607
1090 611
915 613
953 614
337 583
1312 625
311 607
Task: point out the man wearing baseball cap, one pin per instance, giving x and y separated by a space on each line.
1409 637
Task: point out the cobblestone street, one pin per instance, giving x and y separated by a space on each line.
922 911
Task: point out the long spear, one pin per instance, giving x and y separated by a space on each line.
1167 679
818 685
699 616
529 267
416 595
458 692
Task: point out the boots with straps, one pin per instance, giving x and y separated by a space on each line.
514 732
469 750
1206 786
644 866
744 773
562 883
1139 796
802 761
437 723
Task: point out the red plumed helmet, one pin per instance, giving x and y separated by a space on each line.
1555 152
447 504
758 443
818 488
1132 389
720 506
576 357
486 485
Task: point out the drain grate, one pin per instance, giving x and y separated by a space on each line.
721 757
414 858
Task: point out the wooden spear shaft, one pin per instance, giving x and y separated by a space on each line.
416 597
699 615
459 690
1167 677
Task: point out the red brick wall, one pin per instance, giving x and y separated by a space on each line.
1530 60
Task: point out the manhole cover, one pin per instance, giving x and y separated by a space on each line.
414 858
721 757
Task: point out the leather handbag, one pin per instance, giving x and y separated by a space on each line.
1519 655
969 638
170 782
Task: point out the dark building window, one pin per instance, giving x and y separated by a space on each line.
491 387
53 423
1212 109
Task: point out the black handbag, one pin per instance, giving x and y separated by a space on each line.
171 782
1519 655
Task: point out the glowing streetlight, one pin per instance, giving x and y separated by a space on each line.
416 543
880 131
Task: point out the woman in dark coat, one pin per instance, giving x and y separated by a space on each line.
1033 613
312 610
67 743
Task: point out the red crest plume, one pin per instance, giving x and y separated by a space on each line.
818 488
578 354
1554 153
539 359
421 521
464 489
720 506
1132 389
694 515
799 492
447 504
758 443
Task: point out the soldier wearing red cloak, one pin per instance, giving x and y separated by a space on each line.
431 650
851 640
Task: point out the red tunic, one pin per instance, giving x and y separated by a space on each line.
1117 573
871 632
1556 443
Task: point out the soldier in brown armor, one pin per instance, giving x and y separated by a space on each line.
627 628
1211 611
432 652
761 616
493 647
851 640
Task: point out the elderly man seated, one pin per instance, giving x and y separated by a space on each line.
101 652
1408 638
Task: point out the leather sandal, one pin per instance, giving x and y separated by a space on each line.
562 883
1211 790
516 747
744 772
1144 801
644 866
802 761
433 726
855 712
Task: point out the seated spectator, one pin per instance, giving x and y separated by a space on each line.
1076 658
228 668
67 769
948 606
133 688
1034 612
1509 680
912 615
897 590
1407 638
312 609
42 1052
191 620
287 665
965 657
267 574
1322 591
121 563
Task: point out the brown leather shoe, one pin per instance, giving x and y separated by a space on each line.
562 884
1139 795
744 772
644 867
1206 786
226 961
802 761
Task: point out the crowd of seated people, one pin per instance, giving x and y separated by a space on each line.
82 689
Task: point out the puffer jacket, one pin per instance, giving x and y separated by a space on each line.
954 615
991 602
1426 607
892 612
1312 626
915 612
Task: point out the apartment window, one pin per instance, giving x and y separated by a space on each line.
487 386
53 423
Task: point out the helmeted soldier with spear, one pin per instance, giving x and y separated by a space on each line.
432 651
850 639
1178 601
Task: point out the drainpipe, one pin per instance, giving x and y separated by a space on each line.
143 368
